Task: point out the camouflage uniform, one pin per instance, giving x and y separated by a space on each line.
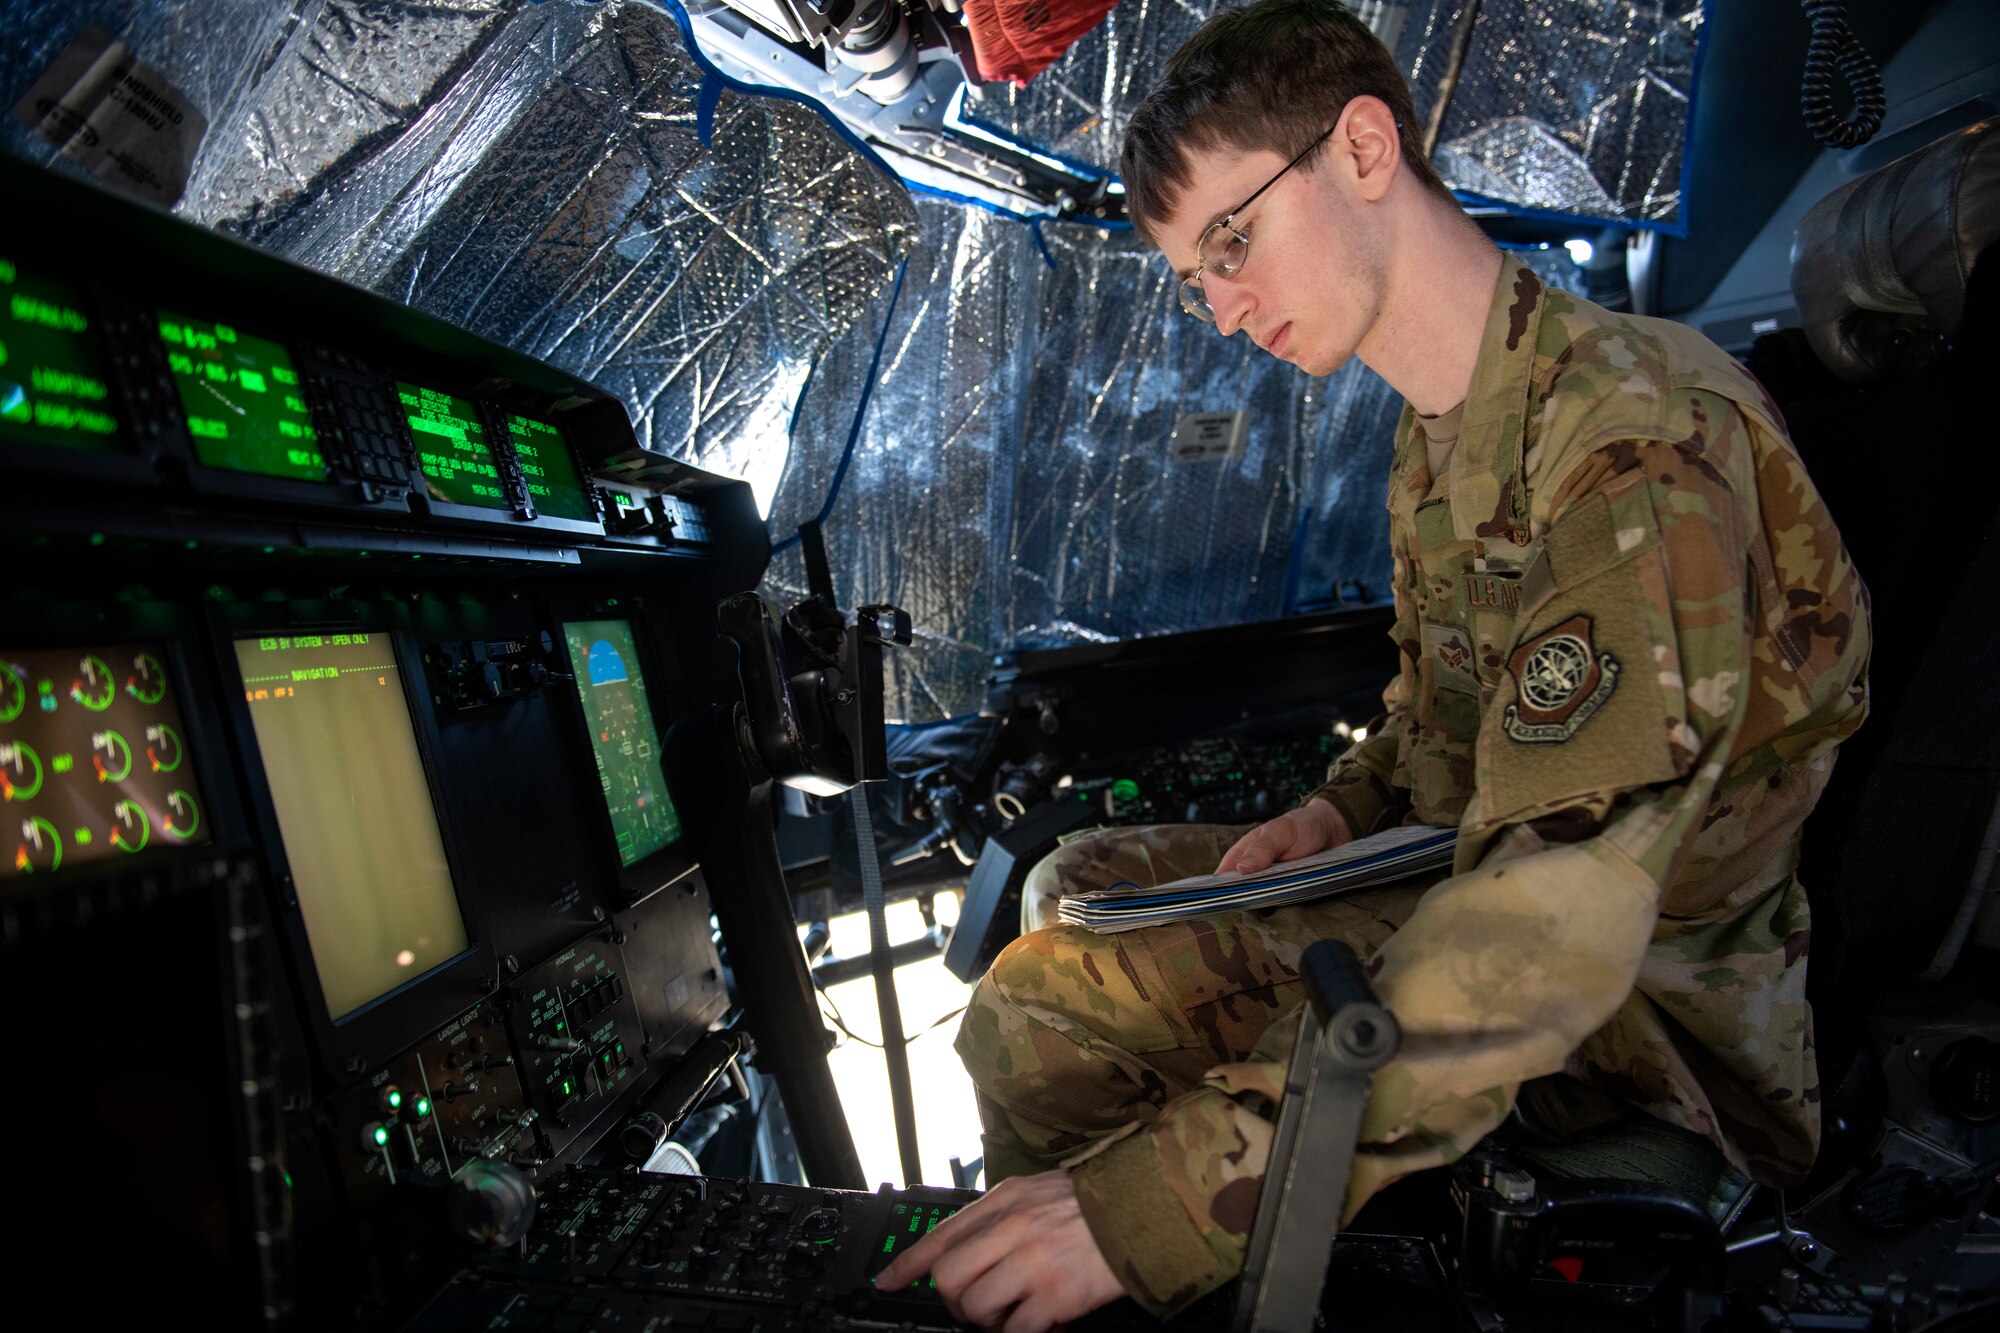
1630 639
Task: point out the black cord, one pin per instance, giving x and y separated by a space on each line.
1835 48
836 1019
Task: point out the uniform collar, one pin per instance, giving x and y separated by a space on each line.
1489 499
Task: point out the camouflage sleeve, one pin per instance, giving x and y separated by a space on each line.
1361 783
1629 682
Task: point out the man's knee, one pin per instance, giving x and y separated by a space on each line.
1064 995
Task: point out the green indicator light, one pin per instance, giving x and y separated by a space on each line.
565 1088
97 539
395 1100
83 837
381 1137
423 1107
1124 790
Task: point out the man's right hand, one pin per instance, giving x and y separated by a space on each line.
1313 827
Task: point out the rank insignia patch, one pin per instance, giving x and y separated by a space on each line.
1560 681
1451 651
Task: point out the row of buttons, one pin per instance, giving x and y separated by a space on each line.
367 437
149 393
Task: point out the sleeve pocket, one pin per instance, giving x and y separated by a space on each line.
1591 701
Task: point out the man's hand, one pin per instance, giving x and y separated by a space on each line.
1023 1249
1313 827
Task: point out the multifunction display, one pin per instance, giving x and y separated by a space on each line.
605 663
93 758
452 447
360 830
554 484
245 410
54 388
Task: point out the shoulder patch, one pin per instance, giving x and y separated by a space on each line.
1561 681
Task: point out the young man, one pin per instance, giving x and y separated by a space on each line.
1630 640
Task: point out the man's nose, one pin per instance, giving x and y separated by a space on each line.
1230 302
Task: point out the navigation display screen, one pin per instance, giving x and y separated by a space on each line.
605 664
452 447
553 481
245 409
360 830
93 765
53 385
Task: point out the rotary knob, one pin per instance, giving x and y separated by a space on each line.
803 1259
491 1204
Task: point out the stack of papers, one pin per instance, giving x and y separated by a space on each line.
1381 858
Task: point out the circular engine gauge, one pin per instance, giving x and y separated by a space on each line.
20 772
183 816
13 692
111 756
40 847
163 748
148 681
94 686
130 829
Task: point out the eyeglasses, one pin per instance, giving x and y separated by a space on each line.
1223 249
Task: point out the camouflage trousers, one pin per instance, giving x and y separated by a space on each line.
1074 1036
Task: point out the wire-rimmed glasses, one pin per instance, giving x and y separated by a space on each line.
1224 247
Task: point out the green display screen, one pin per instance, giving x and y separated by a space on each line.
245 409
452 447
553 481
53 385
605 664
354 809
93 761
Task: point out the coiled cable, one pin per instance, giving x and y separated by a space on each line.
1834 48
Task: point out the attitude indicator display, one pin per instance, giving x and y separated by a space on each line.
452 447
604 662
54 387
245 409
83 732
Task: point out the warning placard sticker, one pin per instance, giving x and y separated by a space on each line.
1201 437
117 116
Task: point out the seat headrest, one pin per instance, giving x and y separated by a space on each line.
1879 266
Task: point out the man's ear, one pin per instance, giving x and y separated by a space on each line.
1372 144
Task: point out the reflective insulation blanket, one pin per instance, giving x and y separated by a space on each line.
534 174
1015 480
1577 107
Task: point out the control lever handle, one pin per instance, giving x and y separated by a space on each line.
1345 1034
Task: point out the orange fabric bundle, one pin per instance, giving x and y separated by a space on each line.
1018 39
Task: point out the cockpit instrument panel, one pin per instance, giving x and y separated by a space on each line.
452 448
55 387
548 469
242 402
93 761
611 684
360 829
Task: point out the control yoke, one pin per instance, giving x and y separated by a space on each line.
813 702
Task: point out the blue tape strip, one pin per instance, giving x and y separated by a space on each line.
704 109
1556 215
860 410
1295 564
1041 242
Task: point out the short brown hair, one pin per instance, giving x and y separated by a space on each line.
1272 75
